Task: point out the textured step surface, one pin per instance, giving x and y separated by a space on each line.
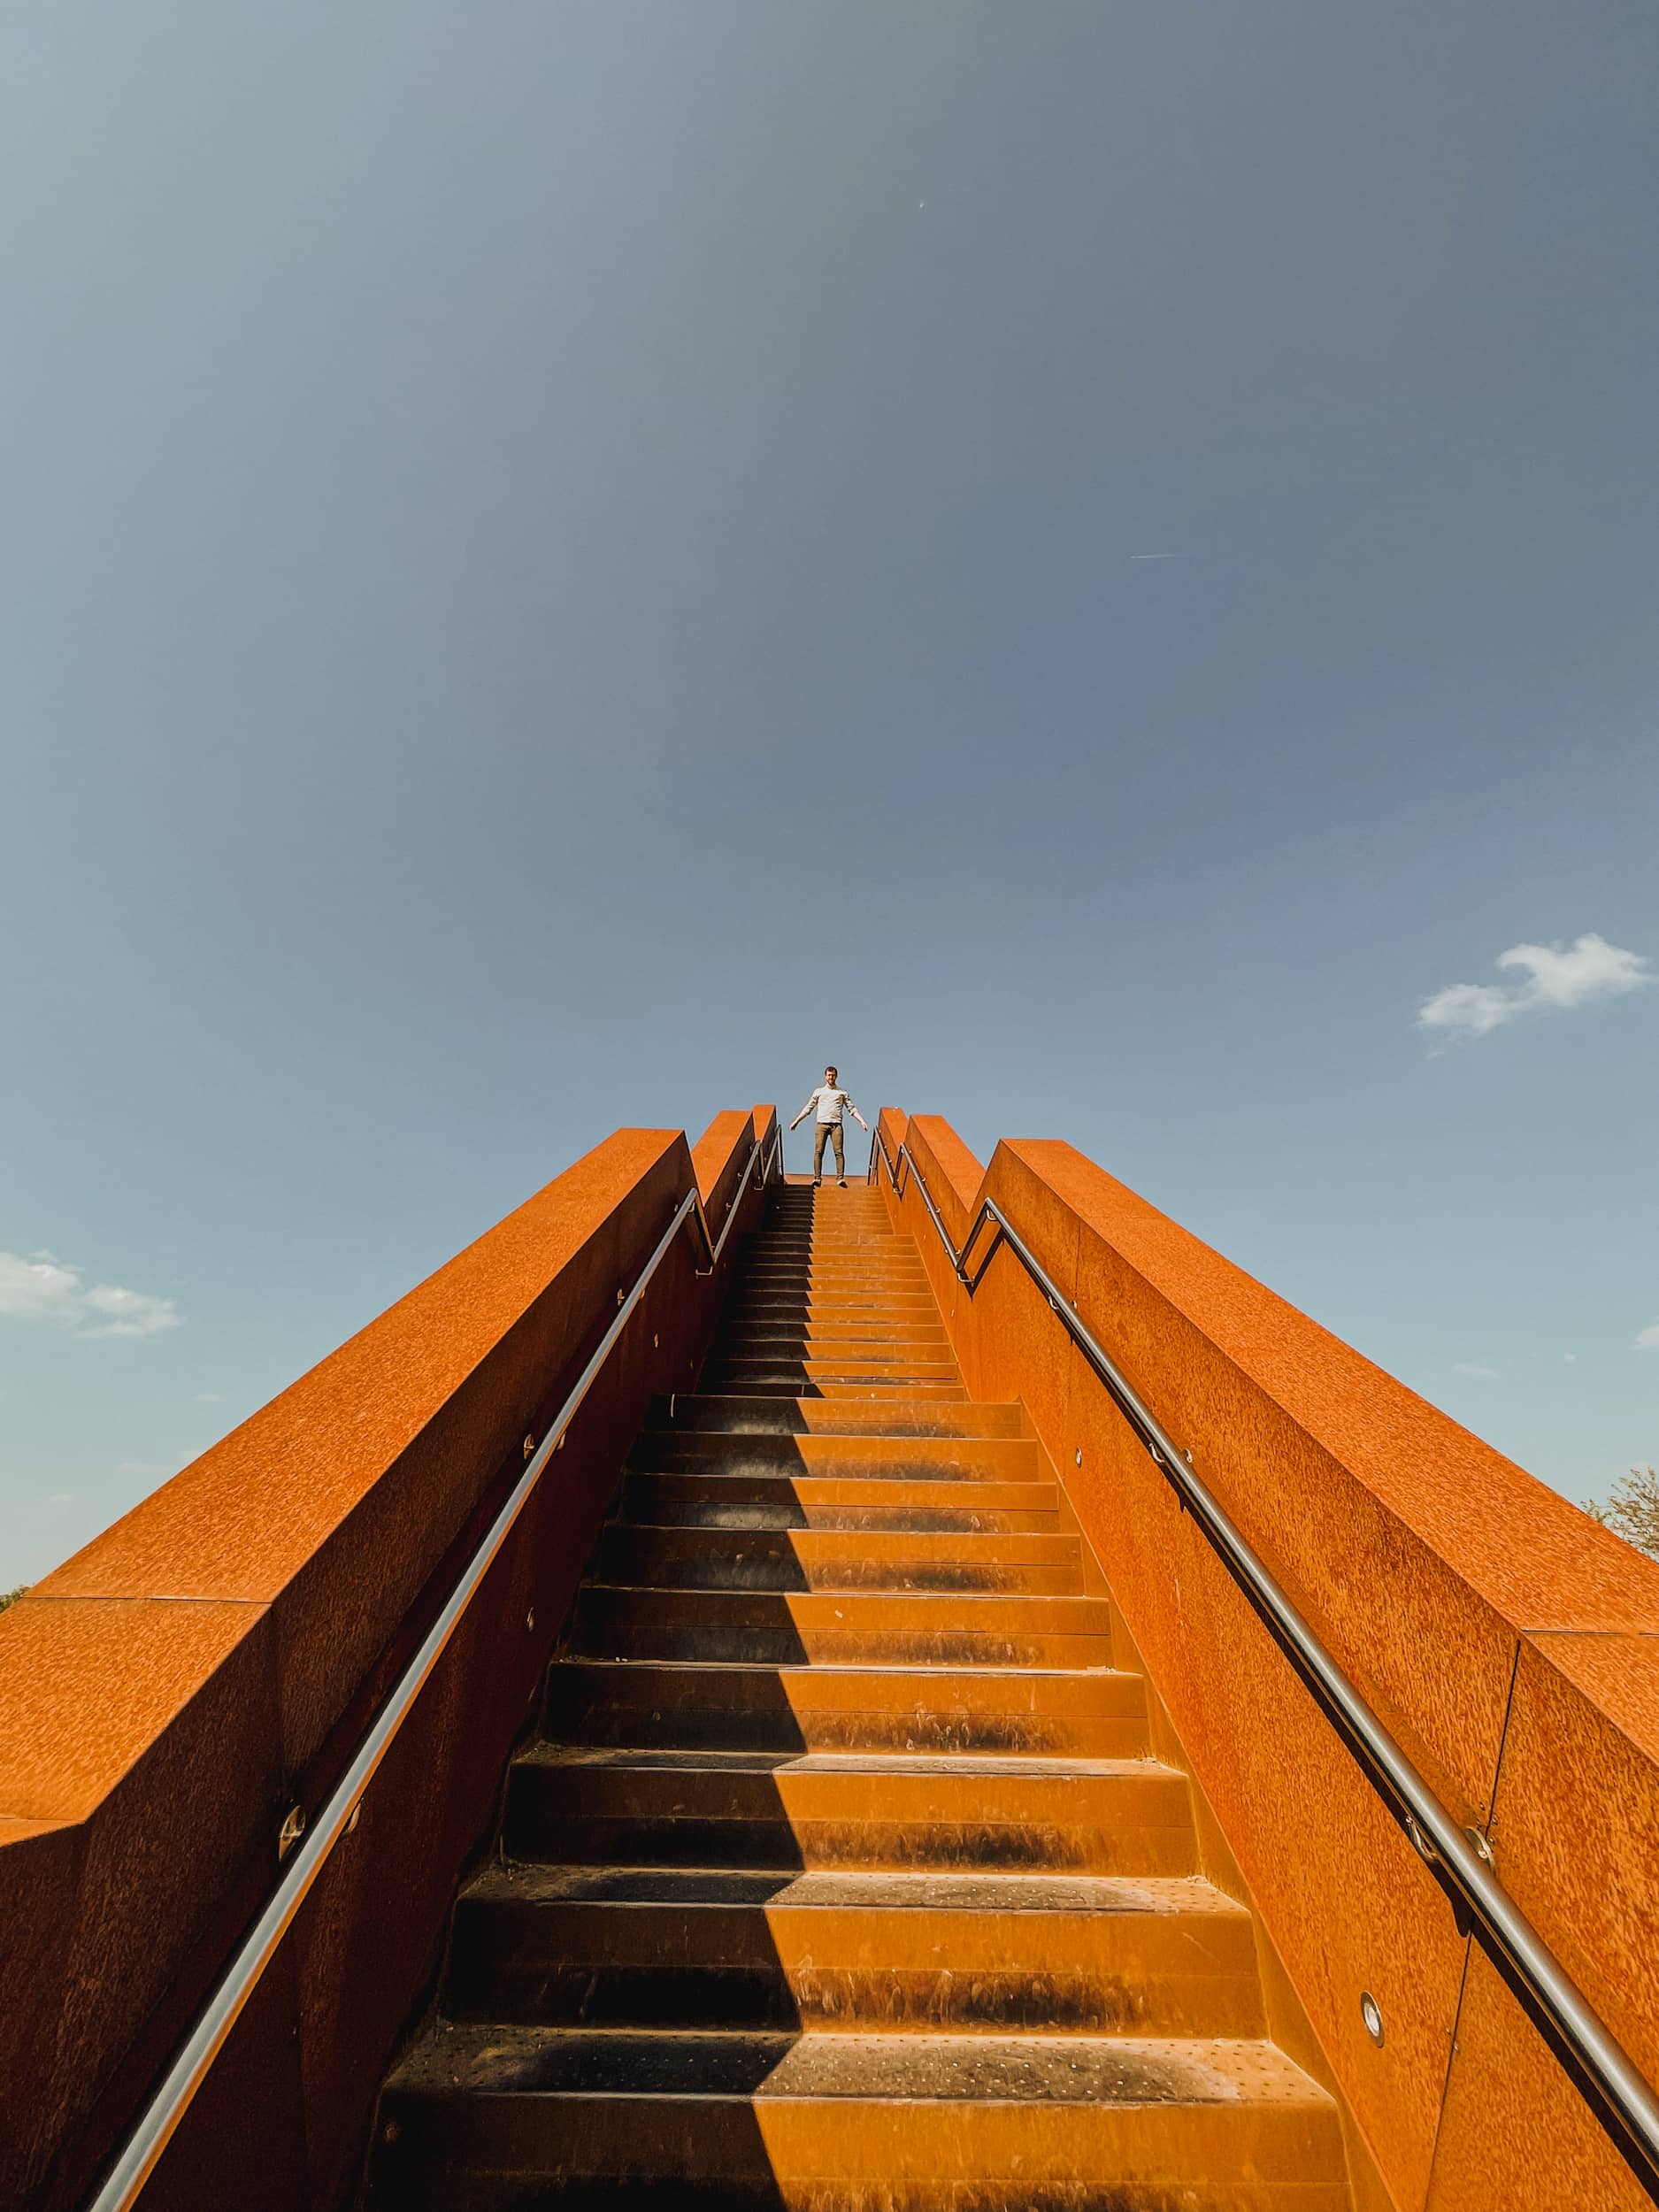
1094 2125
1093 1713
839 1876
550 1946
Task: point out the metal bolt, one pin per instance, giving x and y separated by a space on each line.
529 1620
1481 1845
1370 2013
655 1340
292 1829
529 1447
620 1296
1078 1455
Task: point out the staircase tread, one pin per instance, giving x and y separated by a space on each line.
975 1974
1058 1766
837 1890
759 2064
829 1538
930 1669
821 1598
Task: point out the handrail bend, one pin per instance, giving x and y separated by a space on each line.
1621 2097
173 2097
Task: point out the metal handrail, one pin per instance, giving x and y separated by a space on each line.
1620 2095
717 1246
172 2098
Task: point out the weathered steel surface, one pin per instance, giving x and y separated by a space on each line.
167 1694
1440 1577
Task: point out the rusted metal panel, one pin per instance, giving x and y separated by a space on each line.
179 1681
1427 1562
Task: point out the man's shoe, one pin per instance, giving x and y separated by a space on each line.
815 1184
840 1182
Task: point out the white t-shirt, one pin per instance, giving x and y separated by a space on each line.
829 1103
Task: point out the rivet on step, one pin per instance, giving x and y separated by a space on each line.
529 1447
292 1829
1370 2013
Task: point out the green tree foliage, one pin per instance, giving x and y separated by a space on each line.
10 1597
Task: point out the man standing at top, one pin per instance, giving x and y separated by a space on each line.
830 1103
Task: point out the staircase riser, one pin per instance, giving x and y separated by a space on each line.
818 1970
706 1728
685 1816
843 2154
791 1387
1100 1716
762 1559
861 1576
732 1372
829 1647
902 1309
714 1455
791 1342
866 1845
644 1496
737 1413
888 1520
765 1628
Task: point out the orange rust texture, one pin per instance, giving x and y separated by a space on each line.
1575 1838
166 1693
722 1154
1439 1574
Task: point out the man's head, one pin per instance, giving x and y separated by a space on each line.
831 1074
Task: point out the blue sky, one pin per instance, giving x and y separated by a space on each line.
563 564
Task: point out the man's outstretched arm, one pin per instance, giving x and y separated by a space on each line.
856 1115
804 1112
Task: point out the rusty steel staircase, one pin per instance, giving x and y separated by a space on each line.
839 1873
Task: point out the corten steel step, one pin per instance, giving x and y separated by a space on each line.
773 1501
716 1949
634 1556
928 1458
751 1412
852 1628
840 1875
1091 1712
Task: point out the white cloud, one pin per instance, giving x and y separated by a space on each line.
1468 1367
43 1288
1549 978
1648 1339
